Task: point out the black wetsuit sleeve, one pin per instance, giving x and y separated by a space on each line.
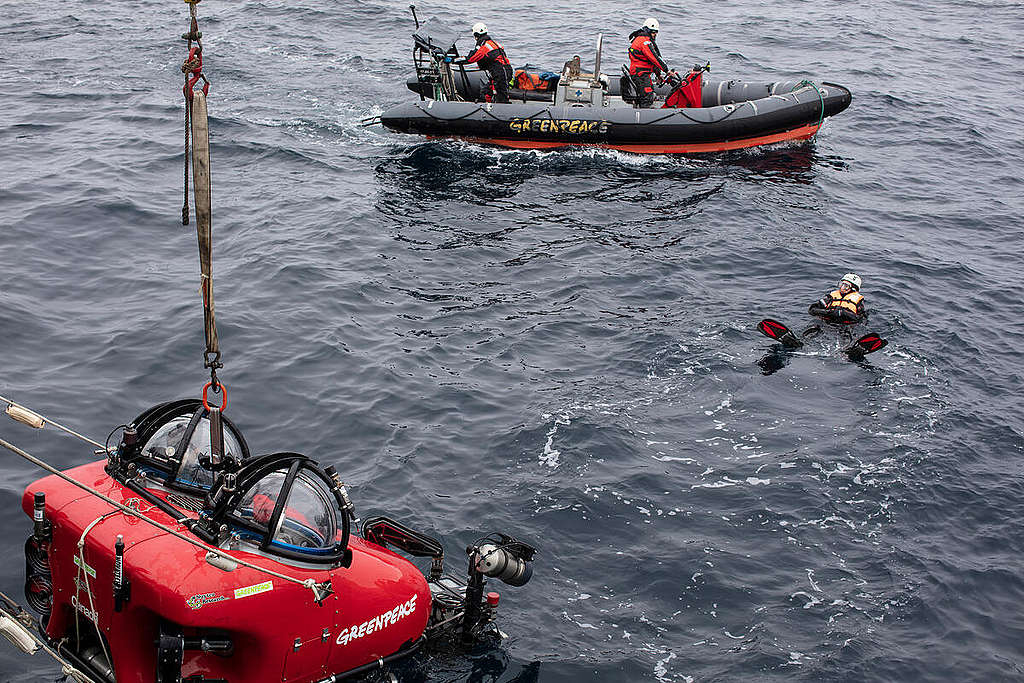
850 316
657 53
819 306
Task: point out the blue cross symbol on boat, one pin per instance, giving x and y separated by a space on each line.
579 93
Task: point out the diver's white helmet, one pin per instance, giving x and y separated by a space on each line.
651 23
853 279
479 28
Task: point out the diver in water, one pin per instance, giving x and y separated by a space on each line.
491 57
844 305
645 60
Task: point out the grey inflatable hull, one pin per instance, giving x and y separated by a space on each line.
734 115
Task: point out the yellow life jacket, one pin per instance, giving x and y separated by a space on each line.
849 302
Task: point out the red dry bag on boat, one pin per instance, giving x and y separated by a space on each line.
524 80
687 91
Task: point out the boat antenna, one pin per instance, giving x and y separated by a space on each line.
414 18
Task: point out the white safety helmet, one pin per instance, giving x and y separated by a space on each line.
479 28
651 24
853 279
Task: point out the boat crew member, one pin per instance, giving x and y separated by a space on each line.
645 59
845 304
491 57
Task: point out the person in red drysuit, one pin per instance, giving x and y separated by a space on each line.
491 57
645 60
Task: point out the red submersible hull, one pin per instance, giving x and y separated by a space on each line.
160 564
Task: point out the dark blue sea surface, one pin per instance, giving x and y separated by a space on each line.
561 345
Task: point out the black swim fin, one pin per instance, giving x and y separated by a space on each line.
779 332
869 343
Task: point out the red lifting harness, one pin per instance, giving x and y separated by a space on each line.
194 65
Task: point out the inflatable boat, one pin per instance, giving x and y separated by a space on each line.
575 108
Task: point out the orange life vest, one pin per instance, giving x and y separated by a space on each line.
848 302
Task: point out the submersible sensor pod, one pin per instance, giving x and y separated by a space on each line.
498 556
38 579
503 564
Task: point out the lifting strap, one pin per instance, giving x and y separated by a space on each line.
197 127
201 180
197 150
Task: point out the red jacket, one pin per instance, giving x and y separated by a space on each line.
488 53
644 55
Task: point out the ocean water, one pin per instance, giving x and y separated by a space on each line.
561 345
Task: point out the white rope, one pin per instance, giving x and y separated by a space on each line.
83 570
135 504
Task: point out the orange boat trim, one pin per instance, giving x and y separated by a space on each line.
801 133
